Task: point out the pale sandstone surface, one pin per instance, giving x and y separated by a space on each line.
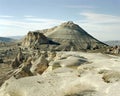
98 76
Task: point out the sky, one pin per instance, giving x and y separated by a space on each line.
100 18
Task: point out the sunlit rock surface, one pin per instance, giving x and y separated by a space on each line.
66 37
99 75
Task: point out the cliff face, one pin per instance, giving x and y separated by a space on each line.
34 38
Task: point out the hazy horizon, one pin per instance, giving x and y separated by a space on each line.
101 19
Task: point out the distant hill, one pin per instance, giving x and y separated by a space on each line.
16 37
113 42
5 39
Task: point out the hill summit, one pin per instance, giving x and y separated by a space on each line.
68 36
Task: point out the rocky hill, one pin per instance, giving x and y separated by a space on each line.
72 37
68 36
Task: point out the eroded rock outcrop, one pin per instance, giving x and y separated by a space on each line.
18 60
66 37
34 38
40 65
24 70
114 50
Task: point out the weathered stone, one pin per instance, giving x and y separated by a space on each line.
66 37
113 50
51 55
40 65
24 69
15 63
72 37
33 39
18 60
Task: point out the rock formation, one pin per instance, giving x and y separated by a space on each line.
67 36
51 56
99 77
24 70
18 60
69 61
40 65
111 76
1 60
37 40
114 50
34 38
72 37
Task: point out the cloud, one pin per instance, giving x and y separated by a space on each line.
29 16
101 26
6 31
79 6
31 22
43 20
25 25
6 16
100 18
